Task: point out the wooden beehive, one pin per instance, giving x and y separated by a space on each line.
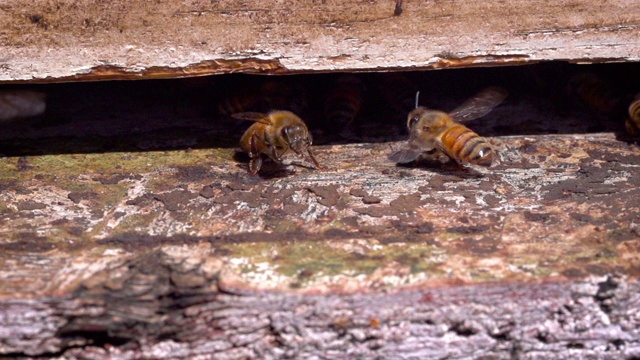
131 229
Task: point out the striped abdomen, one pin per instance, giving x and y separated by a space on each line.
633 122
465 146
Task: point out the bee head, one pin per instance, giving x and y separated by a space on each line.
422 120
414 117
297 137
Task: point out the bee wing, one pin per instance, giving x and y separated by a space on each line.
252 116
408 153
480 104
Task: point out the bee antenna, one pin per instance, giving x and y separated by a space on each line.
417 98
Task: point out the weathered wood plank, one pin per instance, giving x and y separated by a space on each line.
556 206
82 39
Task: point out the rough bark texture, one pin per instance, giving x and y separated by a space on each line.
84 39
163 306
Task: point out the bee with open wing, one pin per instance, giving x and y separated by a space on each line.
436 131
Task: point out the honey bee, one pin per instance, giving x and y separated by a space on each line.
435 131
595 93
270 94
344 101
633 121
273 135
238 103
397 90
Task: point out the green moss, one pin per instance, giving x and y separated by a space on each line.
482 276
115 162
313 258
5 209
542 271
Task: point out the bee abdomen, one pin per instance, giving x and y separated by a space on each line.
467 147
21 103
633 122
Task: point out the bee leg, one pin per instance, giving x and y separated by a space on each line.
442 153
398 10
452 162
315 162
272 150
255 164
256 158
274 153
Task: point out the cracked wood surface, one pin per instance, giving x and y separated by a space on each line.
555 206
87 40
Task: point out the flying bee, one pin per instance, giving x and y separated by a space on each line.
344 101
437 132
21 103
273 135
633 121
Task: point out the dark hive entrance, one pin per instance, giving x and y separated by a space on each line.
191 113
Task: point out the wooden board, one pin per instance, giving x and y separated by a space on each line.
88 40
358 223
